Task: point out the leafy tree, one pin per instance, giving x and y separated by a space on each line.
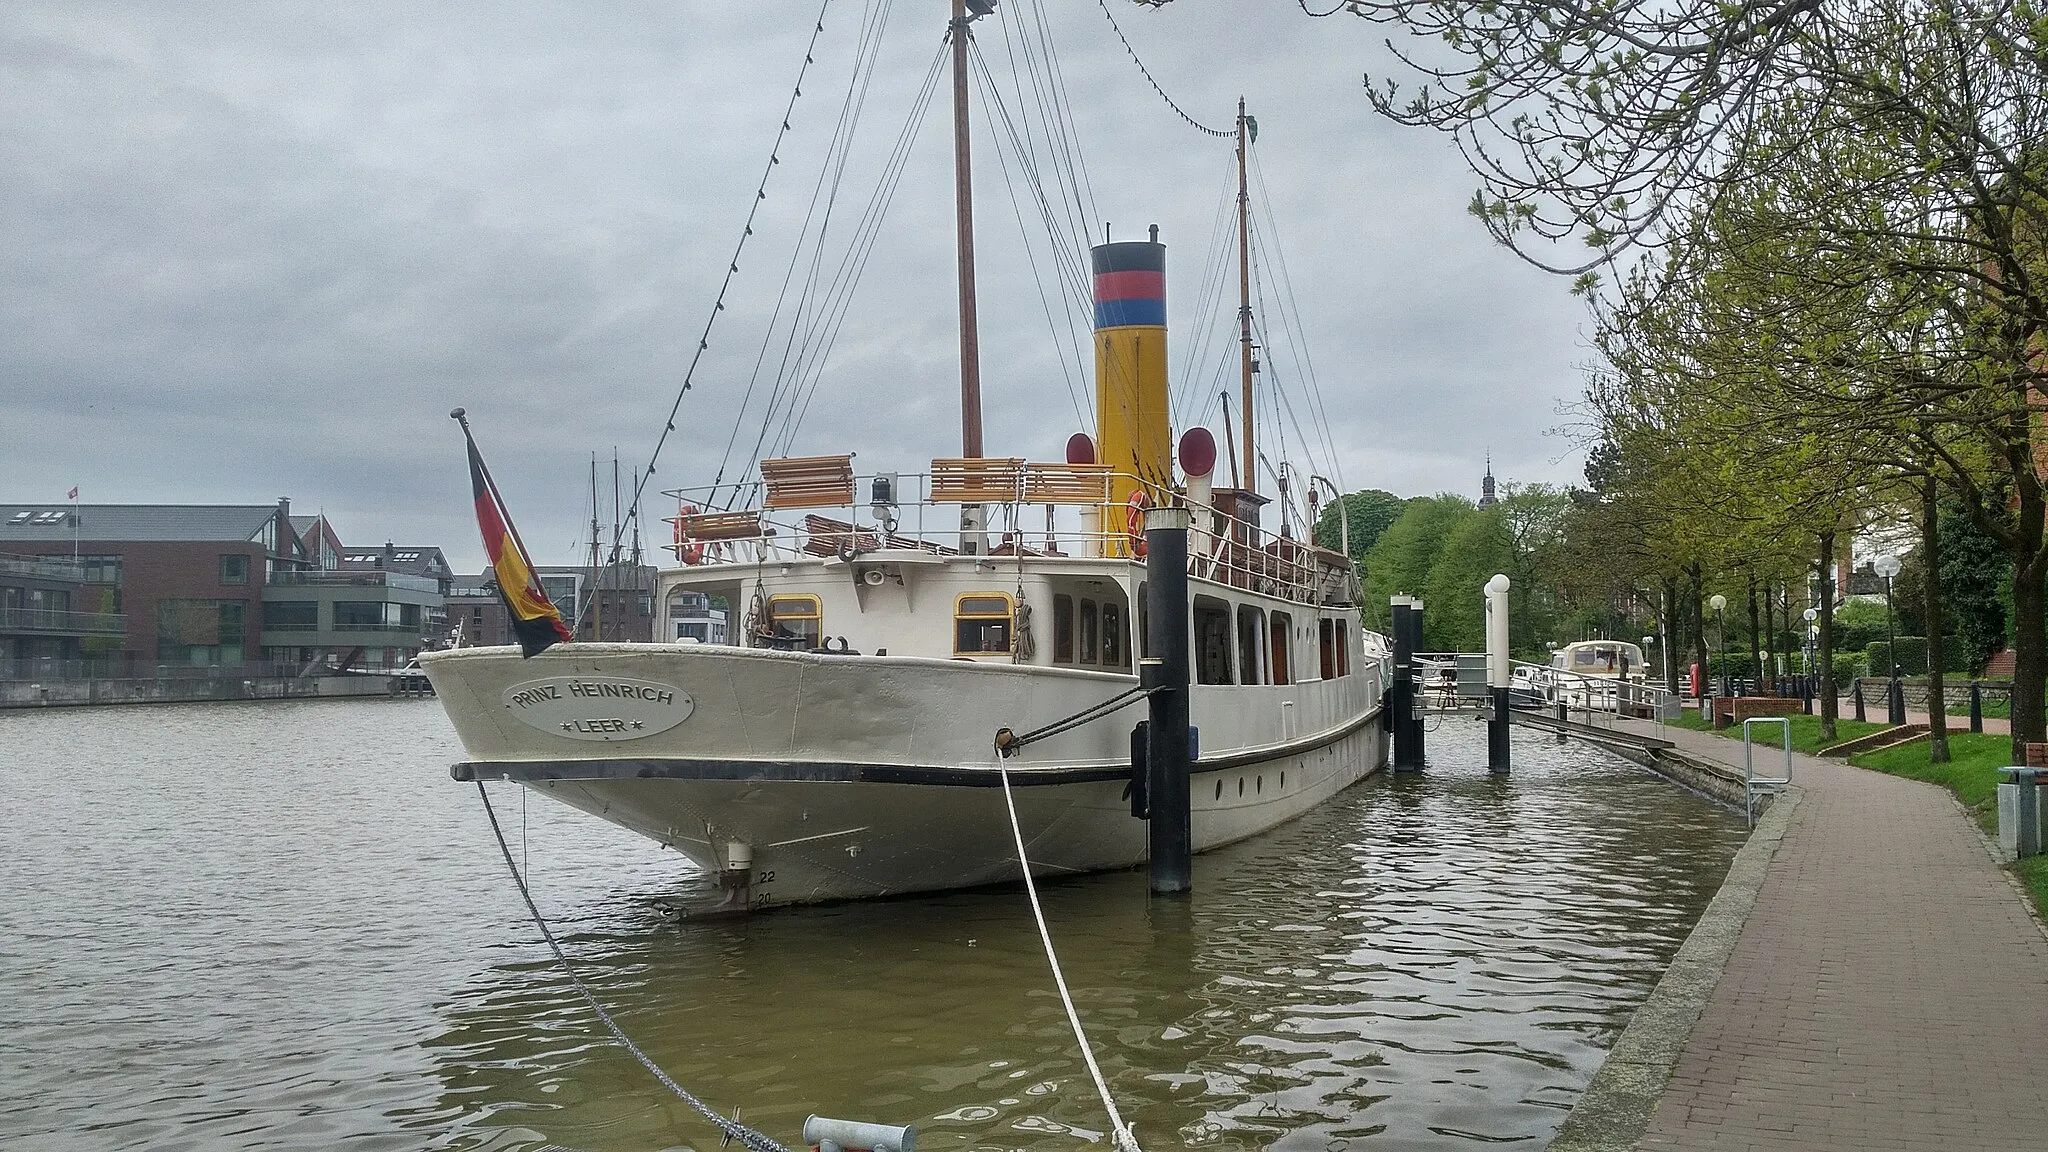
1477 546
1404 556
1367 514
1975 583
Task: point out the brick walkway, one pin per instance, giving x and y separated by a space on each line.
1889 989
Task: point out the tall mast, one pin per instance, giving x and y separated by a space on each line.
596 603
1244 305
963 199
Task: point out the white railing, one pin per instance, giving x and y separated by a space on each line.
1221 548
1541 685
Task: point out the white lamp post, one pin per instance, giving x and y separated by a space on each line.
1894 696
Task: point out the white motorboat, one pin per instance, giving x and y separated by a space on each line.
884 626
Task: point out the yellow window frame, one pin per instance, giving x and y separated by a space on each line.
816 614
1008 616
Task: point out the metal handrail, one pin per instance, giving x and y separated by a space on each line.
344 578
1595 695
1754 785
1221 549
55 620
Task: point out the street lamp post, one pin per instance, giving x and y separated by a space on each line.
1895 694
1648 643
1719 604
1810 687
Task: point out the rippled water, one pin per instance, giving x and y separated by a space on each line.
282 926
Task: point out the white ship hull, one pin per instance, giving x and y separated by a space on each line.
803 777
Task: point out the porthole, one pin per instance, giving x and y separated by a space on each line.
1283 781
1259 785
1240 785
1219 789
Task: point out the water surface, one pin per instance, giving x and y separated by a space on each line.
281 925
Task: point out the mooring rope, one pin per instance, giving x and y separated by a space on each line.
748 1137
1120 1132
1008 742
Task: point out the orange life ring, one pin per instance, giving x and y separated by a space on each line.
1134 522
687 550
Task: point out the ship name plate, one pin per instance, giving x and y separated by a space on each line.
598 707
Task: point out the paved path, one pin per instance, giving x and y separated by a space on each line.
1888 990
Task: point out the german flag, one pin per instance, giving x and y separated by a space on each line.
535 620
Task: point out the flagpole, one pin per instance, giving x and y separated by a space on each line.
461 417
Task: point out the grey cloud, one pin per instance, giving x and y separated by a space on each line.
255 250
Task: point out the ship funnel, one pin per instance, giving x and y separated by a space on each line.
1130 372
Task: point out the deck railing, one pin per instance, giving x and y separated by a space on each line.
1045 510
64 623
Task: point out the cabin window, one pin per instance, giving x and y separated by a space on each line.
1250 623
1212 641
795 621
1282 632
1063 629
1326 631
1088 632
1114 652
981 623
1343 650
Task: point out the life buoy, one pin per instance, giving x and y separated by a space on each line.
1134 522
687 550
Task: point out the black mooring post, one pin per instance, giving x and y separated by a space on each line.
1406 622
1415 688
1976 707
1498 674
1170 834
1497 734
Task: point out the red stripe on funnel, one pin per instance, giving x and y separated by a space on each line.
1139 285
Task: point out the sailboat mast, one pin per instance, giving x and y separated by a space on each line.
596 556
963 199
1244 305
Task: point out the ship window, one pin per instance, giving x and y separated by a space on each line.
1212 641
1087 630
981 623
1063 629
1114 653
1249 623
1326 632
1282 630
1343 650
795 621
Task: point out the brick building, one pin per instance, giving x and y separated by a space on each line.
187 581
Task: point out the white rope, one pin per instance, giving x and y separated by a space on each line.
1120 1133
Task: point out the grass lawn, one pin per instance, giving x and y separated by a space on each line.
1972 774
1805 731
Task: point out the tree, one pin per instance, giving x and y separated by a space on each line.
1367 514
1403 557
1477 546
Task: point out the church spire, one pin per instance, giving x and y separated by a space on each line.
1487 499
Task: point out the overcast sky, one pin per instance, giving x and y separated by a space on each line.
259 250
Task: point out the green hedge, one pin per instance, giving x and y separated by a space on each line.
1912 656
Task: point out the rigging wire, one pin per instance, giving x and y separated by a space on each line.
866 50
1320 410
733 265
1103 4
1208 316
1060 340
1054 121
750 1138
853 266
